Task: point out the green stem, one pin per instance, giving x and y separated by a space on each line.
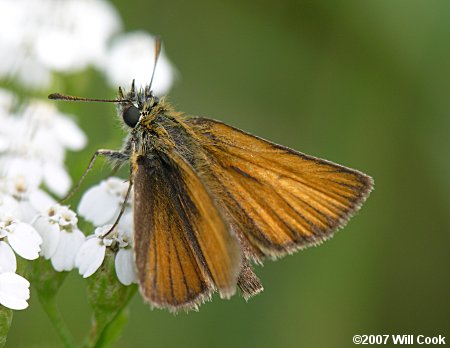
6 316
105 332
57 320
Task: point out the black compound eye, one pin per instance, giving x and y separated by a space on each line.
131 115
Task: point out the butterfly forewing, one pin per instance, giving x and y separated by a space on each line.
281 200
183 247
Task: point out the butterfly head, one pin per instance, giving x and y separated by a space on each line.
137 104
133 106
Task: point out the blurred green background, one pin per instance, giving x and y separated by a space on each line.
361 83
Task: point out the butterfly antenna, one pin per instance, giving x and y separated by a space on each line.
59 96
157 53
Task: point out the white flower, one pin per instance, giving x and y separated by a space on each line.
22 200
25 241
37 37
34 142
21 237
125 266
126 225
9 206
101 203
61 237
131 56
92 253
90 256
50 234
76 33
14 291
17 64
18 207
8 261
26 168
47 119
66 251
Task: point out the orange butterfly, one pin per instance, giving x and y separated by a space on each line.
210 200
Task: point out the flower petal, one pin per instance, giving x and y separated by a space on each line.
125 267
25 240
9 206
69 244
41 200
77 33
28 168
98 206
90 256
27 212
56 178
127 60
14 291
7 258
50 234
69 134
126 224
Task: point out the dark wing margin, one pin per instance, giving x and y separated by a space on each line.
183 248
279 199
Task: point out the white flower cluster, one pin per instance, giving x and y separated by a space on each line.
61 237
33 224
32 154
34 140
101 206
40 37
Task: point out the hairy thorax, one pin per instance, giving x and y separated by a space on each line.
162 129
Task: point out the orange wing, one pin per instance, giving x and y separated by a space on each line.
279 200
183 248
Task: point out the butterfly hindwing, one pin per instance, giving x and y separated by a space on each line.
183 248
280 199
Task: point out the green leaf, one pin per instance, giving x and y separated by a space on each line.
6 316
107 297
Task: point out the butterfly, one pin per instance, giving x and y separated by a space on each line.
211 200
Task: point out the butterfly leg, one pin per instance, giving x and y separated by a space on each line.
122 209
117 156
124 204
